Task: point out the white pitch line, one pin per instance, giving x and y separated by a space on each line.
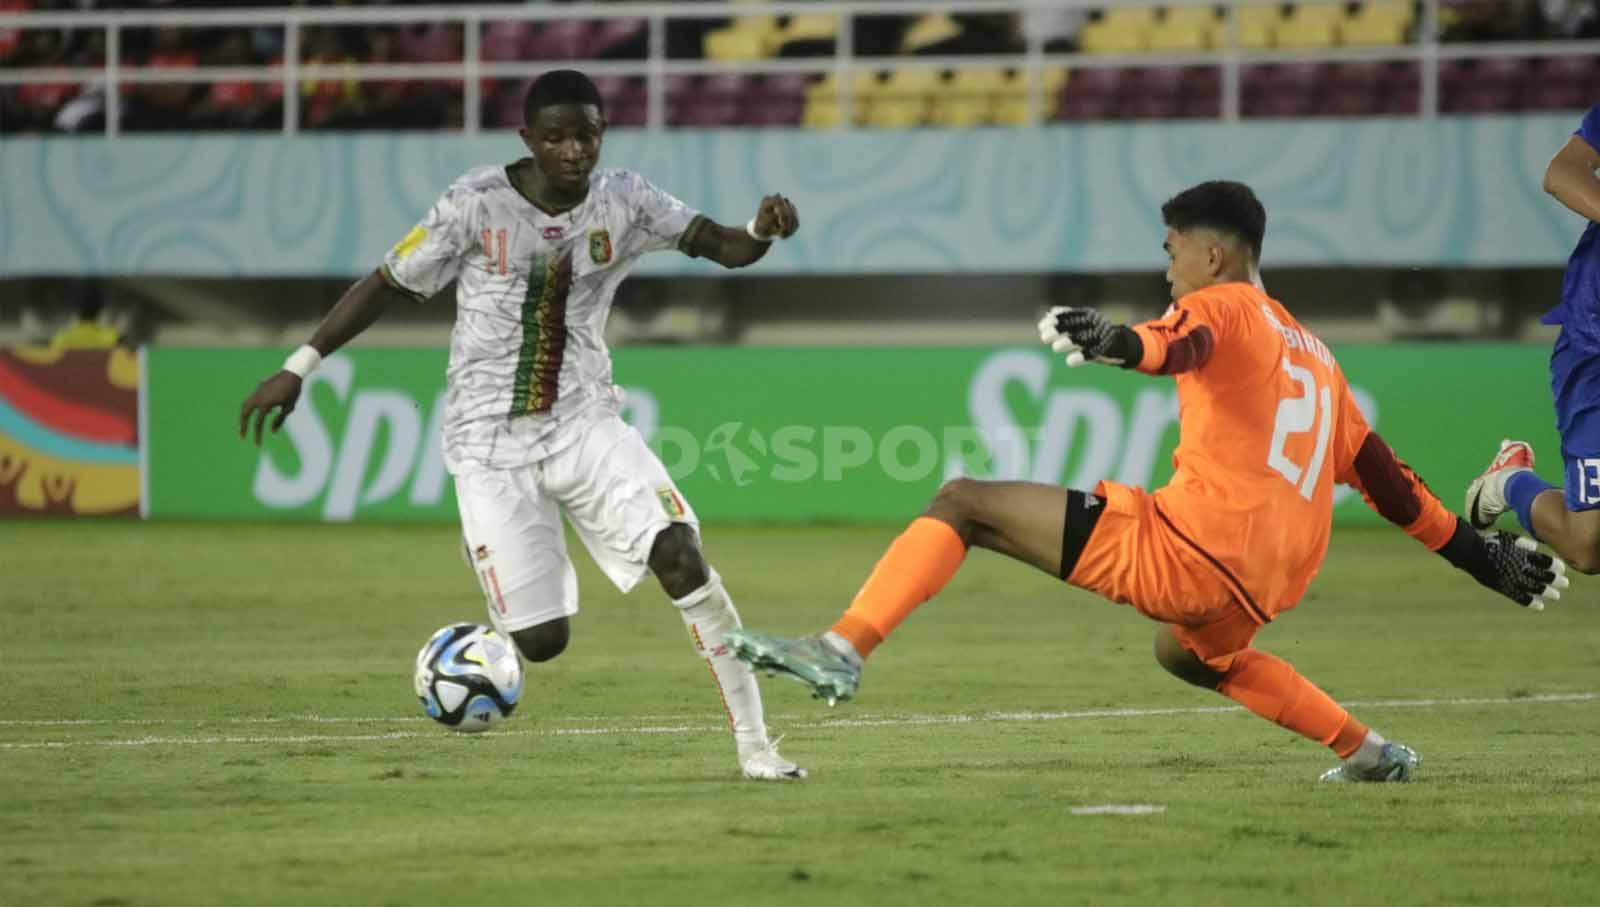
900 721
866 719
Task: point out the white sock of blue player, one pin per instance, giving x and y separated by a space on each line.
708 612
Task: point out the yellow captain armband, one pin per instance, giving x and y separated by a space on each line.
409 244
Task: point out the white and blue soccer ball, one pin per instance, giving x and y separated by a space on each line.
468 677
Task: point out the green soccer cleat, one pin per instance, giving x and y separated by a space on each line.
829 674
1396 762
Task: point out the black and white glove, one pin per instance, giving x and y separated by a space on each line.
1082 335
1511 565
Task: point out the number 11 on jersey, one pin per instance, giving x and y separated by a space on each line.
1297 415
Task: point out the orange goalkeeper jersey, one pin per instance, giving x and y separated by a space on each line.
1267 426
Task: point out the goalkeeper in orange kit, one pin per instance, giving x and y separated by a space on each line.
1267 427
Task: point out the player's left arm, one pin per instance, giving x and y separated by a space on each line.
738 247
1507 563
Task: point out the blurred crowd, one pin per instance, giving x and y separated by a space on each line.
345 102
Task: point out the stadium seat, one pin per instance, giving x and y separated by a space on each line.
1153 92
1120 30
1280 89
561 39
1013 103
1258 26
435 43
1091 93
776 100
904 99
1202 93
505 41
1311 25
929 30
813 32
1354 88
503 105
625 99
1502 72
969 98
748 38
1187 29
706 101
822 99
1563 83
736 44
1378 24
614 34
1487 85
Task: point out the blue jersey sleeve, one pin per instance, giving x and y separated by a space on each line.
1589 129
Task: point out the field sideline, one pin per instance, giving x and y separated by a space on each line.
206 713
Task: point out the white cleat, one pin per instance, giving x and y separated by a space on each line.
766 765
1486 496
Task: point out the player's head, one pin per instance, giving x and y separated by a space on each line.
563 122
1214 233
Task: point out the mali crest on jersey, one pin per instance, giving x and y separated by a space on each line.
600 246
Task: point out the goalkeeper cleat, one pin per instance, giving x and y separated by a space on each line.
1395 762
1486 496
765 764
830 675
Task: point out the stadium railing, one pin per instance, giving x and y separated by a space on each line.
1425 50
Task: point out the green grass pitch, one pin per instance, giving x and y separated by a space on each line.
205 714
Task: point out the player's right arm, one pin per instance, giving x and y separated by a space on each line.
1570 177
1501 561
421 264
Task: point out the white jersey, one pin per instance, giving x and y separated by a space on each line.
528 353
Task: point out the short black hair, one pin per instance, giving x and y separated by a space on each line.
1221 205
560 86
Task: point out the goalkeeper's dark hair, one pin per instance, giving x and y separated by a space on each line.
560 86
1222 205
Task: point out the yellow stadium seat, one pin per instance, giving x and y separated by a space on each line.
968 99
736 44
1258 26
929 30
1014 107
748 38
822 100
1120 30
903 99
1379 24
988 81
1312 25
807 27
1186 29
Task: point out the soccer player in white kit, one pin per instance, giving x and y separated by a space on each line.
532 426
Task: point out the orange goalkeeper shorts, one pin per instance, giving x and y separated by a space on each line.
1134 557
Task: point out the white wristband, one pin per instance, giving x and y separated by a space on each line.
303 361
750 228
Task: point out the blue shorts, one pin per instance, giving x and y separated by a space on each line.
1575 384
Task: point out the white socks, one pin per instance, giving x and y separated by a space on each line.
842 647
708 612
1370 750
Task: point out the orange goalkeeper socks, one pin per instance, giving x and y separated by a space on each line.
1272 688
916 566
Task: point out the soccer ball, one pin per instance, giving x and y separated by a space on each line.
468 677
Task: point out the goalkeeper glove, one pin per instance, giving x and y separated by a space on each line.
1085 335
1509 564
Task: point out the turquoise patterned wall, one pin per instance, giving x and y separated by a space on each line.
1453 191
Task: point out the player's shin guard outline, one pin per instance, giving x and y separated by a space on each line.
709 613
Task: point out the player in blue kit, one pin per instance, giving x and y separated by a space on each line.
1567 521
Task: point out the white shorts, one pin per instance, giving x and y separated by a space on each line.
612 488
